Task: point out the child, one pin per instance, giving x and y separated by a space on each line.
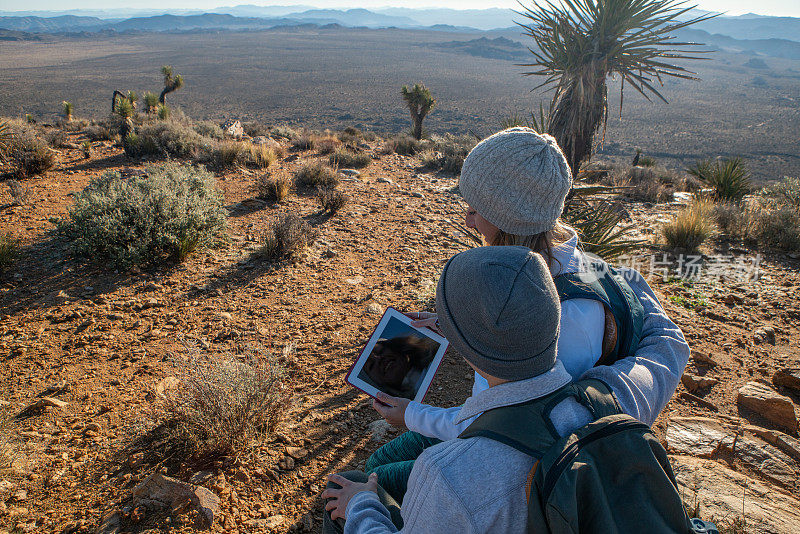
515 183
478 484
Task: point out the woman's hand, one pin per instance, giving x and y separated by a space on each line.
339 498
425 320
393 409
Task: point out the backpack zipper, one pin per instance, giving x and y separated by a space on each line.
569 454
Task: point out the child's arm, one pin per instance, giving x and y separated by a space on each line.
434 422
644 383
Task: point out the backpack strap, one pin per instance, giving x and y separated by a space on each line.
603 283
528 428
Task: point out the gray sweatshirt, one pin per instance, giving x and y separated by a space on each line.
478 485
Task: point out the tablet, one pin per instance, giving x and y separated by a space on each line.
399 359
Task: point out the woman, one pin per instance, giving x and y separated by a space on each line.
515 184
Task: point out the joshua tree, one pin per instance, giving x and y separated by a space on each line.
132 98
125 111
150 102
420 103
581 43
170 83
67 108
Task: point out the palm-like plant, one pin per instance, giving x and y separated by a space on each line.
581 43
126 112
150 102
171 83
728 177
420 103
67 108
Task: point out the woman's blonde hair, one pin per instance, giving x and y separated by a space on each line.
541 243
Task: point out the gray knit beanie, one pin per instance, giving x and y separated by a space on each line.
499 308
517 180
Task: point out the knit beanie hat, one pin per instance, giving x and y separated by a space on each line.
499 308
517 180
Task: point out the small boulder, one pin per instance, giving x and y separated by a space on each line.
378 429
788 378
767 402
160 490
695 383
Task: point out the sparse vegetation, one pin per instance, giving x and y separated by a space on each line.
316 175
167 138
20 193
56 138
275 188
305 141
86 146
728 177
222 406
345 158
260 156
100 132
9 251
448 153
286 236
332 200
579 45
283 132
209 129
404 144
143 220
6 136
29 155
327 144
691 228
163 112
150 102
420 102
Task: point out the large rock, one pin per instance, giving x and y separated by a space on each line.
767 402
698 436
788 378
723 493
158 490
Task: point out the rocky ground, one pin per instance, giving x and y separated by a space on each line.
86 354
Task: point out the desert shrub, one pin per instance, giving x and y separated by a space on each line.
772 225
643 184
56 138
255 129
75 125
274 188
209 129
163 112
167 138
6 136
448 153
223 405
785 192
259 155
9 251
286 236
283 132
20 193
349 159
404 144
315 175
332 200
690 228
305 141
29 155
728 177
223 154
140 220
100 132
647 161
729 218
327 144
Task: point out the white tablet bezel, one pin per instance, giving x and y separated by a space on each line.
392 313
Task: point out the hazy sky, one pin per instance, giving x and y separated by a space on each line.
733 7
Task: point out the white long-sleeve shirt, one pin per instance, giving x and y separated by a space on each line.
580 345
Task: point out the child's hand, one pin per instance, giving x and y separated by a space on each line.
425 320
393 409
339 498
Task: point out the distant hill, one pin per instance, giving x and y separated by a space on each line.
782 48
499 48
753 27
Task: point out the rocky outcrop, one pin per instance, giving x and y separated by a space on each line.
768 403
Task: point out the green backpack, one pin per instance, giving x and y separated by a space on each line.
607 285
611 476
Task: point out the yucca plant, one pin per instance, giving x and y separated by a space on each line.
728 177
126 112
579 44
162 112
133 98
171 83
67 108
420 103
150 102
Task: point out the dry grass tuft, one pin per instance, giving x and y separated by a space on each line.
691 227
223 406
316 175
286 237
275 188
332 200
348 159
